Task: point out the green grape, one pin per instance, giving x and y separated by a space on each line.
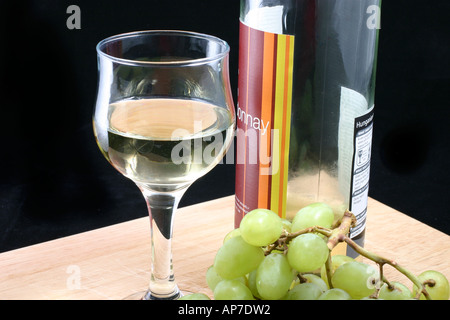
232 290
286 225
212 278
440 291
398 292
261 227
312 278
315 214
235 258
336 261
304 291
273 276
195 296
307 252
356 278
251 283
231 234
335 294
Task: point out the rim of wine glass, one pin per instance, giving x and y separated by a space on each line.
193 61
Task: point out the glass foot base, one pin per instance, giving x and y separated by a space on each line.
147 295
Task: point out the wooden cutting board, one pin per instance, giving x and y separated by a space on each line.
114 262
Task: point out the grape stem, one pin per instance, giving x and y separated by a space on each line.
283 241
381 261
340 234
337 234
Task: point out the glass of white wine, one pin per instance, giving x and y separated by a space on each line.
164 117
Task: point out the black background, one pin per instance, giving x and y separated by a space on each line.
55 182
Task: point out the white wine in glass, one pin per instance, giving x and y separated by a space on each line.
164 117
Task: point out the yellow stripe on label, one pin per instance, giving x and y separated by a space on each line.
282 119
287 115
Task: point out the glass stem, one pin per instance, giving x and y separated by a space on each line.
161 208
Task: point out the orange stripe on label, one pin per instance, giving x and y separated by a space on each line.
266 117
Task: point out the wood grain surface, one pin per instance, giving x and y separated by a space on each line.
114 262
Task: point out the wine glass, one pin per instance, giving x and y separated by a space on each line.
164 117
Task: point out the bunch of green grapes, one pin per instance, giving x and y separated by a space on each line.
244 268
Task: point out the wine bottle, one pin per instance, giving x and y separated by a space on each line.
305 111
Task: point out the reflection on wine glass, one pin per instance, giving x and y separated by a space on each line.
164 117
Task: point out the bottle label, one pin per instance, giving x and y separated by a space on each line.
266 62
361 170
355 143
